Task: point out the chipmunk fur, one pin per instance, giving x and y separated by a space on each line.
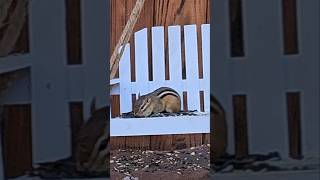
163 99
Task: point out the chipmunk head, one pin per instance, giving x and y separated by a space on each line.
142 106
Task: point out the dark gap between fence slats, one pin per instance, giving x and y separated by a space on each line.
294 124
183 56
201 94
132 59
166 54
236 28
150 60
73 25
133 100
290 30
185 101
200 59
76 120
16 118
240 125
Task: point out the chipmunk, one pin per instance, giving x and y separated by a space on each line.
163 99
92 142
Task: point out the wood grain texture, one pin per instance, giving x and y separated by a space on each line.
161 142
157 13
206 138
181 141
138 142
118 143
115 107
17 147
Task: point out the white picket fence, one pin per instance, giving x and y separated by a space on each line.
192 84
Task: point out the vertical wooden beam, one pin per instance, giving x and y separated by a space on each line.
240 125
115 107
138 142
294 124
162 142
17 140
290 30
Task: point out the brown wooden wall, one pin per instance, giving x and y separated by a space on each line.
157 13
17 140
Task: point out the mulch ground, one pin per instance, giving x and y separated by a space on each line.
191 163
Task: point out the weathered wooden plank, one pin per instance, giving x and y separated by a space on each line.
118 143
138 142
206 138
115 107
181 141
17 147
195 140
161 142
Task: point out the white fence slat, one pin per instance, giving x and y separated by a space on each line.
205 31
158 55
175 64
174 45
191 57
125 79
159 125
141 60
50 121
